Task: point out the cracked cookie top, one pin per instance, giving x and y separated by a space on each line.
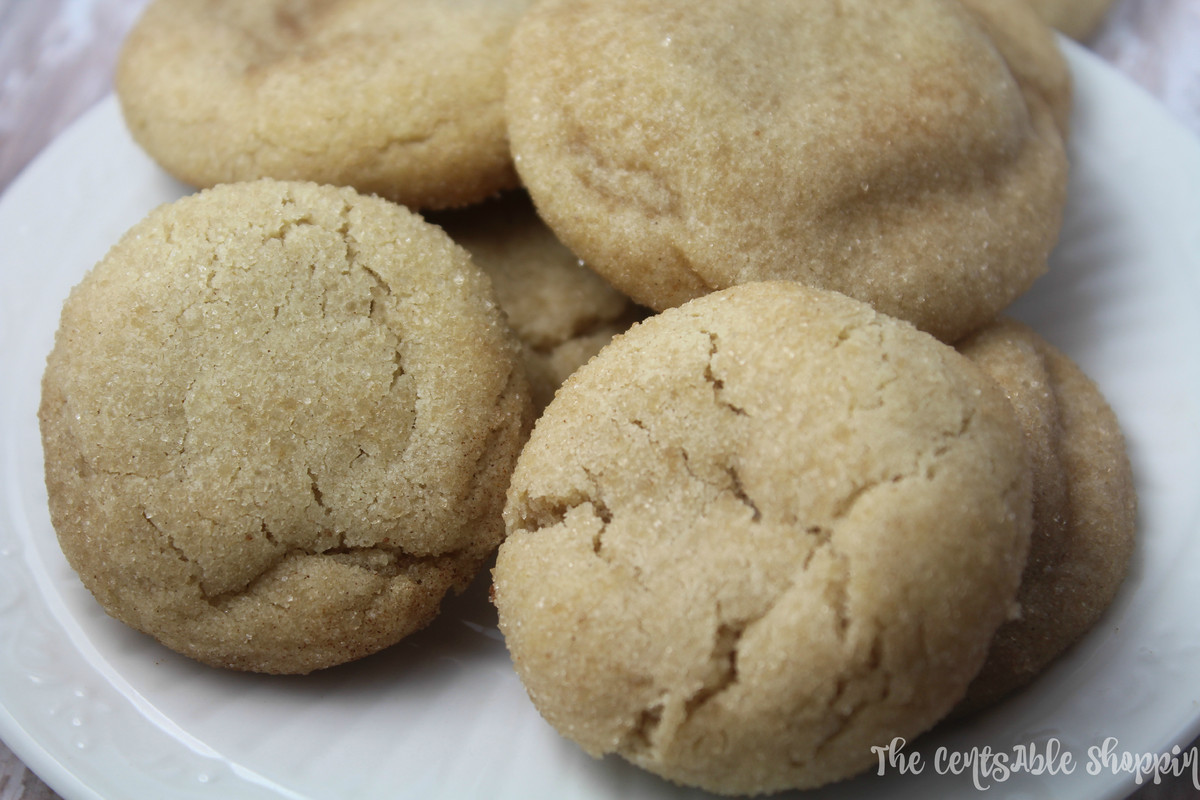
279 420
759 534
399 99
907 154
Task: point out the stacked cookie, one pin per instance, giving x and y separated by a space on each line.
562 312
793 490
1078 19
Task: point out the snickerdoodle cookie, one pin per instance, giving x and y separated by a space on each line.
562 311
402 99
758 534
890 151
1084 505
279 420
1078 19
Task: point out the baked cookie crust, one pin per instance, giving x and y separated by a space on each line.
403 99
279 420
759 534
561 310
889 151
1084 506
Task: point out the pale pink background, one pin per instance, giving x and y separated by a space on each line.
56 59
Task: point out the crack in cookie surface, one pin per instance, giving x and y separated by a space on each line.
270 373
782 561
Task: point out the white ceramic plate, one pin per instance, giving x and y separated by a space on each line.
100 711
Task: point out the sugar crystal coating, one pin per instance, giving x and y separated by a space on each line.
758 534
1084 506
907 154
279 420
400 99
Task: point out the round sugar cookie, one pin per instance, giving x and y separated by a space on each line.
1027 48
279 420
401 99
1078 19
758 534
562 312
889 151
1084 506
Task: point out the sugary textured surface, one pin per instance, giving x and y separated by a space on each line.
561 310
891 151
401 99
1084 507
1078 19
758 534
279 420
1028 50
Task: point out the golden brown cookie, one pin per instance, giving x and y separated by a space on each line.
1084 505
1078 19
758 534
401 99
279 420
1023 41
886 150
561 310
